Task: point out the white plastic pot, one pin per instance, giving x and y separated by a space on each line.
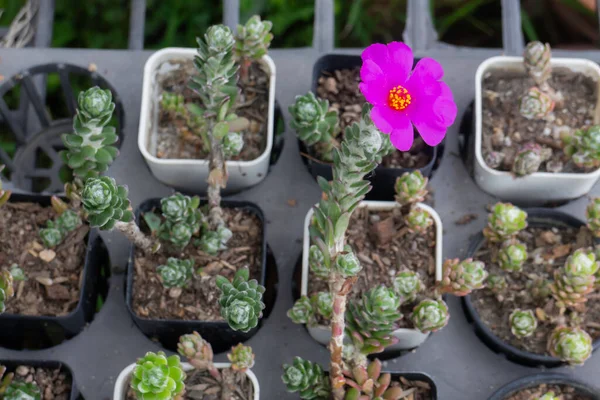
122 384
191 175
407 338
539 187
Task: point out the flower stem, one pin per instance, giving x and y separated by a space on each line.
135 236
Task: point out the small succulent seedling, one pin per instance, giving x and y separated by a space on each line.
6 288
573 345
512 255
241 358
198 352
583 146
407 284
430 315
592 214
536 104
315 123
307 379
548 396
370 383
316 261
174 105
176 273
241 300
305 310
537 57
504 222
462 277
252 41
496 283
182 219
411 188
17 273
418 220
529 158
4 194
21 390
56 231
576 279
157 376
522 323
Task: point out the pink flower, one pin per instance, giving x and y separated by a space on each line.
402 99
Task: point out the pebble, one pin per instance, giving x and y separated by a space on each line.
22 370
547 131
331 85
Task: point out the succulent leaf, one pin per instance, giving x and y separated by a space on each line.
347 264
576 279
196 350
316 261
322 304
496 283
584 147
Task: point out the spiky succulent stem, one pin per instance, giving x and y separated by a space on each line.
359 153
215 83
537 57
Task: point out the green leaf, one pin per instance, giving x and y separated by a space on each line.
72 140
341 226
103 156
220 130
76 160
153 221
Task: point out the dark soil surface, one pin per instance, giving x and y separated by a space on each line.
53 384
505 130
548 249
199 385
563 392
341 89
176 141
415 390
199 300
381 263
52 287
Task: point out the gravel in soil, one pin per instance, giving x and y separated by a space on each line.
175 140
381 262
548 250
563 392
53 384
199 299
52 287
340 88
504 130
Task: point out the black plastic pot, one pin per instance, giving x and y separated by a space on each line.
12 365
217 333
38 332
537 217
538 379
383 178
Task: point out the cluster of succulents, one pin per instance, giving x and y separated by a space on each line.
583 146
306 310
411 188
569 287
241 301
57 230
182 219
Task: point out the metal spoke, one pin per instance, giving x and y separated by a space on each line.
35 99
13 122
65 84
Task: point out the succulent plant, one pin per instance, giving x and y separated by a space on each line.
20 390
176 273
539 288
6 289
576 279
536 104
548 396
313 121
494 159
306 378
241 358
17 273
57 230
105 202
430 315
528 159
584 147
316 261
572 345
407 285
536 57
233 143
51 237
418 220
157 376
198 352
411 187
512 256
212 242
347 264
371 320
522 323
89 150
302 312
241 300
496 283
182 219
252 41
4 194
322 303
172 103
505 221
592 215
369 383
462 277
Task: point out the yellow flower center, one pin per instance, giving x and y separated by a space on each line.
399 98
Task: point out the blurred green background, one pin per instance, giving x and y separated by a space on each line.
104 23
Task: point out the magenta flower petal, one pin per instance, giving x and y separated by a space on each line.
428 68
377 53
375 94
401 56
372 72
403 135
383 118
431 135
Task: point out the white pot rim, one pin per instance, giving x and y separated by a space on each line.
145 117
121 385
481 70
376 205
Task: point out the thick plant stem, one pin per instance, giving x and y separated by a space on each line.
227 384
245 64
135 236
217 180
